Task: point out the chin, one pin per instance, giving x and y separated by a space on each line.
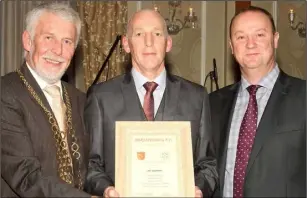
50 75
51 79
153 66
251 66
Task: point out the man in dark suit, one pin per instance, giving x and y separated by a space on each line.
259 123
44 144
123 99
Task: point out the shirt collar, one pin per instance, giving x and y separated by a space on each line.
140 80
42 84
267 81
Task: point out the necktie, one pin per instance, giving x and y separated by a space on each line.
57 105
149 100
245 141
59 109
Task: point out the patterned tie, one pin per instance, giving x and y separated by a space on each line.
245 142
149 100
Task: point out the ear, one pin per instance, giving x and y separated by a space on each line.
125 44
230 44
169 43
276 38
26 41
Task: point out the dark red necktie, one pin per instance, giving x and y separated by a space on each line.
245 141
148 105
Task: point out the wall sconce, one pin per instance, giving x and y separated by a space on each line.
300 26
175 25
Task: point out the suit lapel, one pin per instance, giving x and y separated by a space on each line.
170 97
159 114
226 117
75 113
268 121
31 80
79 132
134 110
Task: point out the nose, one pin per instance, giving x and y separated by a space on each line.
57 47
148 39
250 42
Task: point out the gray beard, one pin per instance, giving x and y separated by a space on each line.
51 79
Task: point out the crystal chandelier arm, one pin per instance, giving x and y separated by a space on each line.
173 14
302 31
297 26
181 23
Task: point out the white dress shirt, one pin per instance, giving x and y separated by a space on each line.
262 95
140 80
43 84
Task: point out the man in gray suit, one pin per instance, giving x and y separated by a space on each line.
123 99
260 122
43 143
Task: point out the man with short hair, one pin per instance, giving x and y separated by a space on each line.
259 123
164 97
43 141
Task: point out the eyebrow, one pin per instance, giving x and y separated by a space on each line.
52 34
68 38
138 29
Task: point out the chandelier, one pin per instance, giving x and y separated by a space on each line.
300 26
173 23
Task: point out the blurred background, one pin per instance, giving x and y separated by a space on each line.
199 30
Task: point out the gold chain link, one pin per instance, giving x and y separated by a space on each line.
65 169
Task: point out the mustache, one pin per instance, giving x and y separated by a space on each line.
54 57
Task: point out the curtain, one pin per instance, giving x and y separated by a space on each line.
12 19
102 21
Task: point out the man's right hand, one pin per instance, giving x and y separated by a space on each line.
110 192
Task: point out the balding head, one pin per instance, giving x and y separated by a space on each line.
147 41
142 13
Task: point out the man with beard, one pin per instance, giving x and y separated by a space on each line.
43 137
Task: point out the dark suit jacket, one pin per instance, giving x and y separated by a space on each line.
277 164
117 100
28 161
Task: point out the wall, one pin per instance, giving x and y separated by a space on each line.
291 53
185 56
194 49
216 40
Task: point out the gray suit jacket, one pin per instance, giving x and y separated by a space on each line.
28 161
277 164
117 100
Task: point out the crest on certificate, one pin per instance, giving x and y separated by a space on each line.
141 155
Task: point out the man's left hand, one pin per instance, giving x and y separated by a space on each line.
198 192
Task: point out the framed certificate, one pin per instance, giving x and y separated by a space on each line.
154 159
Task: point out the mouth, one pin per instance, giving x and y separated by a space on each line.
149 54
53 61
252 54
